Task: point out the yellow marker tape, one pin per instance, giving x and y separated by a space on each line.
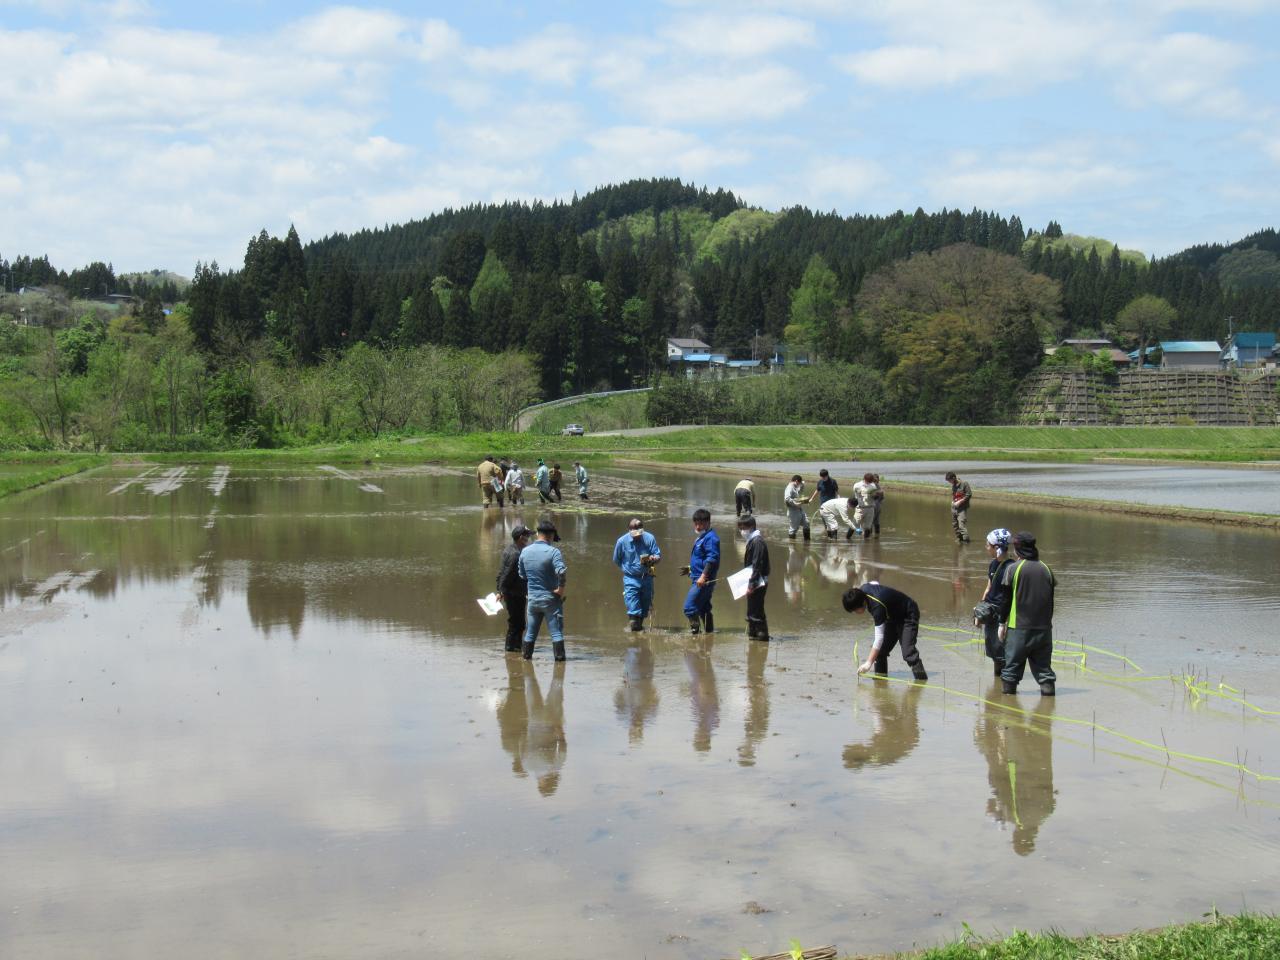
1013 790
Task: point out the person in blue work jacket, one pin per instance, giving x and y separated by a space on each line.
541 566
637 553
703 568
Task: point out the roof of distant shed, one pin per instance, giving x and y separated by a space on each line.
684 343
1190 346
1254 340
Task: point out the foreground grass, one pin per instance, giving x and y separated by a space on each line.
1245 937
20 471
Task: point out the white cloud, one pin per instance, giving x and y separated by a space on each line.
736 36
844 179
531 129
1185 70
729 97
555 55
1035 177
348 32
634 151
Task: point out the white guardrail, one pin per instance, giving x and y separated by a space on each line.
522 420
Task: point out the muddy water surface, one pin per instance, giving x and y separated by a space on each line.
256 712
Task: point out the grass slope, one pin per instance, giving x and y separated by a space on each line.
1074 242
595 413
22 472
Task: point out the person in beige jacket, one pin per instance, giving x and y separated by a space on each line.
486 474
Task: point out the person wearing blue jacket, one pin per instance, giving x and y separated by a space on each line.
541 566
703 568
636 553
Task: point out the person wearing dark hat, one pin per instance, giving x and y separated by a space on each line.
511 590
703 570
1027 615
636 554
897 621
757 558
543 570
961 494
998 544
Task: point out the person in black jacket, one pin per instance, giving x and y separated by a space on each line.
512 590
757 558
998 542
897 620
1027 617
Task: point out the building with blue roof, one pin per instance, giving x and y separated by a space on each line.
1250 350
1190 354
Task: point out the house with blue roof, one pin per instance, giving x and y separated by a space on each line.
1249 350
1190 354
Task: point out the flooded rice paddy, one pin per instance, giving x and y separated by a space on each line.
258 712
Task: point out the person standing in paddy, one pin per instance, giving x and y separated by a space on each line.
961 494
486 474
994 595
580 475
636 553
556 477
796 501
897 621
542 568
757 558
703 568
1027 612
878 505
515 484
542 480
827 486
511 590
864 494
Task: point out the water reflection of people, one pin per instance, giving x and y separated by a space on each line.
702 690
897 726
756 724
636 699
1018 745
531 727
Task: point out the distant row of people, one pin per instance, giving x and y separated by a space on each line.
833 510
504 481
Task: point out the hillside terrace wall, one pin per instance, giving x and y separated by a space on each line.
1225 398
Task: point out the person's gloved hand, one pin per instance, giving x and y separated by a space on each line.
684 571
863 668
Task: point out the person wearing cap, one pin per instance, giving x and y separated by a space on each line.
489 477
744 496
580 475
864 496
756 557
636 553
556 477
1027 612
998 542
961 494
795 500
515 484
543 570
897 621
511 590
542 480
703 569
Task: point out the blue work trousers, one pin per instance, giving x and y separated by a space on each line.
637 593
698 602
549 608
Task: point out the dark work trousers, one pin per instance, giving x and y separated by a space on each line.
994 645
757 624
742 501
515 620
1023 646
901 633
555 489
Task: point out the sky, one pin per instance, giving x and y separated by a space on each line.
153 135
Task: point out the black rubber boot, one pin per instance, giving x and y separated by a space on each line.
1007 687
791 535
527 650
999 667
751 630
637 624
917 671
807 535
708 623
557 647
882 666
1048 690
848 534
695 625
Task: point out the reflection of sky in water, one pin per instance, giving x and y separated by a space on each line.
1246 489
293 732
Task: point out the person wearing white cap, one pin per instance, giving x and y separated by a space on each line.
987 613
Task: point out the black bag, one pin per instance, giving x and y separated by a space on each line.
986 612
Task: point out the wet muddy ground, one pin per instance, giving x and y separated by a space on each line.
1246 488
256 712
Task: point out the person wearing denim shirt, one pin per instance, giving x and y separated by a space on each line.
543 569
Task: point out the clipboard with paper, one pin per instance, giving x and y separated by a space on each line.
738 583
490 604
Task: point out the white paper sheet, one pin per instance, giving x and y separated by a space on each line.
738 583
490 604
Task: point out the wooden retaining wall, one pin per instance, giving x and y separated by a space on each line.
1158 397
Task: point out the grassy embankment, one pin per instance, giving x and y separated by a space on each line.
22 471
1246 937
622 412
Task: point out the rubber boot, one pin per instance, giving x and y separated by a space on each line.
791 535
708 623
999 667
807 536
1007 687
557 647
848 534
637 624
1048 690
751 630
695 625
917 670
526 651
882 666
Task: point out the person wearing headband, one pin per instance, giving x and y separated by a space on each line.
636 553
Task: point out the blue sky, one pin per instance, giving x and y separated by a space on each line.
156 134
